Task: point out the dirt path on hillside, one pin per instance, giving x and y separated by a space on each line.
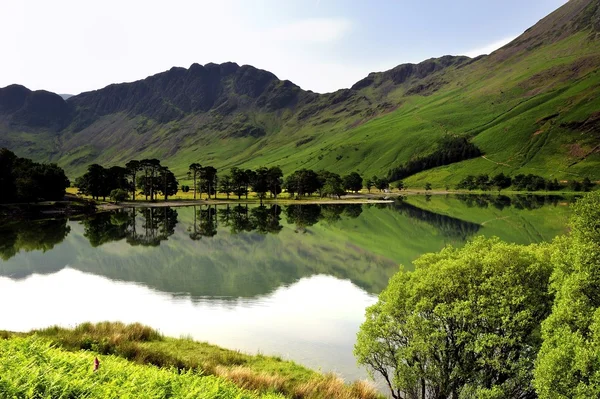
497 163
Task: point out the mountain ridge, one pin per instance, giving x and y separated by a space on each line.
239 115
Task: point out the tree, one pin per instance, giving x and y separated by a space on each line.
208 181
427 186
303 182
369 184
7 178
118 195
168 182
194 171
238 181
500 181
260 183
400 185
117 178
353 182
249 176
334 186
463 324
94 182
482 181
132 168
568 363
151 168
467 183
275 180
226 185
383 184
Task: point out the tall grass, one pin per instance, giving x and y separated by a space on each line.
263 374
32 368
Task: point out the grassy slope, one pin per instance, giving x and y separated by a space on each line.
31 368
56 366
502 103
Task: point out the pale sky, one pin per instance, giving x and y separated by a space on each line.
71 46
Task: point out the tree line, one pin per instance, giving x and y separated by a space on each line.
149 178
22 180
493 319
451 149
520 182
117 182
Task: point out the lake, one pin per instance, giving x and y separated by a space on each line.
283 280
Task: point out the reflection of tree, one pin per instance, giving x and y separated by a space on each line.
331 213
157 225
106 227
225 215
303 216
528 202
32 236
265 220
240 220
208 221
448 226
352 210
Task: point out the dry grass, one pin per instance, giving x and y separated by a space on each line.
249 379
332 386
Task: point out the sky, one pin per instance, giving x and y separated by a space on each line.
72 46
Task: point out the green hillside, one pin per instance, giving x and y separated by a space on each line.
531 107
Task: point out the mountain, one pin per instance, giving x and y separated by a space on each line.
533 106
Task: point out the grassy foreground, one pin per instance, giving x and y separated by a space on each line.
136 361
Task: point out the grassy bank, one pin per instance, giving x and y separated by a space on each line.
182 363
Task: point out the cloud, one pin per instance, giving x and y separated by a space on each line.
490 48
313 30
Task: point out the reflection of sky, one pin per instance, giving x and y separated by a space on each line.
313 321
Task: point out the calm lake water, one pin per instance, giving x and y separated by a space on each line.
291 281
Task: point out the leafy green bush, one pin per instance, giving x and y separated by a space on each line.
466 320
568 364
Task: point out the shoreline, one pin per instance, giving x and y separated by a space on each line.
182 203
77 206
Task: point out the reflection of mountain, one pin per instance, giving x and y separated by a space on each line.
242 251
450 227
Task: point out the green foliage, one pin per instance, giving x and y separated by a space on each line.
380 184
23 180
118 195
466 320
303 182
568 364
353 182
501 181
32 368
334 186
451 149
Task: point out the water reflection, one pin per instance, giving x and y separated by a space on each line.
38 236
290 280
234 251
527 201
